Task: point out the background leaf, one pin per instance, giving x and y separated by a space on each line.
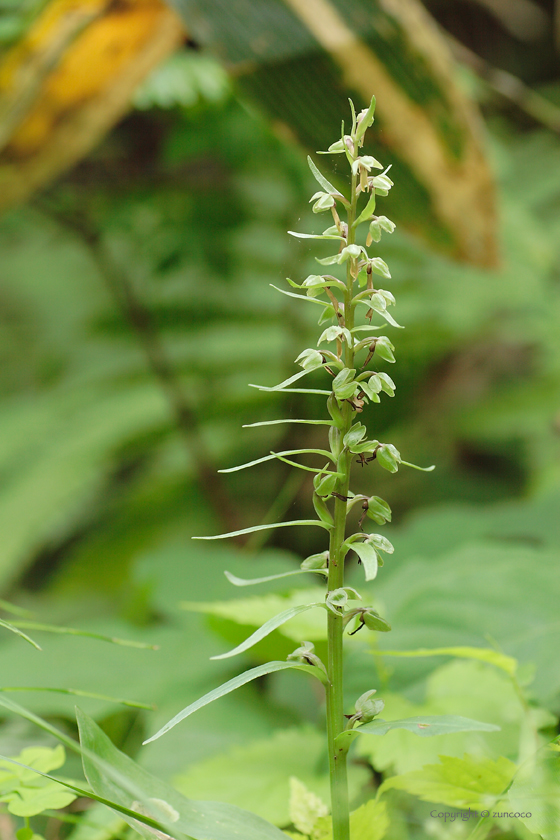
263 768
458 782
211 821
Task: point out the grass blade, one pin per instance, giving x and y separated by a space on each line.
76 692
72 631
13 629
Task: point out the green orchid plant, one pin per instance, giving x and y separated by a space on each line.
347 354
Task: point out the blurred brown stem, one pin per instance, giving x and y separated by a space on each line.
541 109
7 831
140 320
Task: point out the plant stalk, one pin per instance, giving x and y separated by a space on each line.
335 627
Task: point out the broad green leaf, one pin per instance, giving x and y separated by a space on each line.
27 794
493 657
39 758
237 581
535 790
232 685
466 782
139 820
466 688
73 433
460 582
267 628
198 820
262 770
264 528
29 801
369 822
427 725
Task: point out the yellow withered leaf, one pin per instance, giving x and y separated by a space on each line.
68 80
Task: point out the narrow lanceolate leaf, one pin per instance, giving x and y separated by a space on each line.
383 312
267 628
76 692
232 685
322 452
315 235
286 382
303 467
295 390
237 581
276 422
13 629
320 178
114 776
493 657
265 528
72 631
301 297
367 211
427 725
416 467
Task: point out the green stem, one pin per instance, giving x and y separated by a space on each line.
335 707
335 668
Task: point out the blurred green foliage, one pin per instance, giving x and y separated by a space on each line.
135 309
